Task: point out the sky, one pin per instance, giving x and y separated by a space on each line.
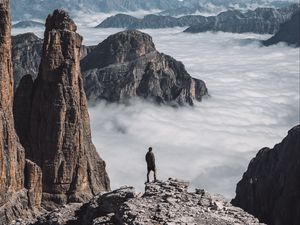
253 102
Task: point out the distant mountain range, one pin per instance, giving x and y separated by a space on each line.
36 9
260 20
150 21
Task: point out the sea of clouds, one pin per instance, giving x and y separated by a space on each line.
254 101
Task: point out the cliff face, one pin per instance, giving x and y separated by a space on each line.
12 159
15 172
270 188
58 136
127 65
166 202
289 32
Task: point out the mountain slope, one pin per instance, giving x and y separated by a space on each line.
270 188
289 32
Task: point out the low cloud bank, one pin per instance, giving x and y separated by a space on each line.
254 102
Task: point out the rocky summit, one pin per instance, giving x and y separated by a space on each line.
270 188
127 65
166 202
52 119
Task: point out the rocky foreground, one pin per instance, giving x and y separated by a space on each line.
167 202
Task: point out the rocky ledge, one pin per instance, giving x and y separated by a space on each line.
166 203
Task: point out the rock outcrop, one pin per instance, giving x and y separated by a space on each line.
166 202
270 188
289 32
127 65
15 199
260 20
58 136
26 55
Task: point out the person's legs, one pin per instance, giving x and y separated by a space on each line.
154 171
148 172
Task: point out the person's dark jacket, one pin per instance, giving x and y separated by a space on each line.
150 159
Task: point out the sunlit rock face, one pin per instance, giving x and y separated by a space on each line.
127 65
270 188
58 136
15 200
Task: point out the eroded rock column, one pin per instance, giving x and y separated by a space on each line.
60 136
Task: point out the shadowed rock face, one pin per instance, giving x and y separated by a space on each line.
270 188
289 32
26 54
15 200
58 136
127 65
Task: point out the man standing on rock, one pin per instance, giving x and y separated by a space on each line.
150 159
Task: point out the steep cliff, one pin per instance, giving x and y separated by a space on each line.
58 136
15 200
289 32
270 188
127 65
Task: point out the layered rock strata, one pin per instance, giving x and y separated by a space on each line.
270 188
127 65
57 136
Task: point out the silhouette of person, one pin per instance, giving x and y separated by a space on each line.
150 159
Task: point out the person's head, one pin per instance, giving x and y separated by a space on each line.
150 149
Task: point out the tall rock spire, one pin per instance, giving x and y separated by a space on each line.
12 159
60 136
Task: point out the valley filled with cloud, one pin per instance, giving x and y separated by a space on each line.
253 102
